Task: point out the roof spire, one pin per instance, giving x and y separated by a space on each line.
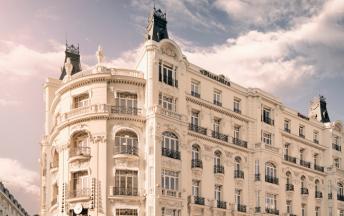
157 26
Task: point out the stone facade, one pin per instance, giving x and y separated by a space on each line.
9 206
170 138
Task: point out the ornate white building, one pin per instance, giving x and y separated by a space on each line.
170 138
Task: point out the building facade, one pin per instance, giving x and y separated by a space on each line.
171 138
9 206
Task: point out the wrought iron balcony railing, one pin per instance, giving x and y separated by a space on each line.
290 158
304 191
267 120
319 168
219 136
219 169
169 81
287 130
221 204
272 211
80 151
198 129
305 163
241 208
77 193
316 141
271 179
199 200
336 147
318 194
340 197
123 191
170 153
196 163
126 149
289 187
238 174
239 142
195 94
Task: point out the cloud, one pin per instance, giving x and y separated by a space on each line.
21 61
127 59
14 175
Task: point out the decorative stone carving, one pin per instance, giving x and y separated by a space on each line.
100 55
169 51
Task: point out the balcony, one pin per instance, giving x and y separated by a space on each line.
267 120
219 136
304 191
272 211
318 168
289 187
336 147
125 149
171 193
287 130
256 177
301 135
196 163
239 142
195 94
219 169
237 110
318 194
80 153
216 102
271 179
340 197
125 110
199 200
257 209
316 141
329 196
290 158
198 129
238 174
170 153
241 208
221 204
80 193
123 191
305 163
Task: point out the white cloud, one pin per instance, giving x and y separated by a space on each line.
14 175
127 59
20 60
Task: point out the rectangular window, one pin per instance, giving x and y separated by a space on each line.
237 196
194 118
216 126
170 181
267 138
270 201
81 101
257 199
126 212
302 131
236 132
196 188
126 183
289 207
340 212
303 210
317 211
256 167
80 184
236 105
167 75
267 116
217 97
218 192
167 102
337 162
287 125
195 90
316 136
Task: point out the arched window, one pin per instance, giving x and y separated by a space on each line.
217 158
81 100
288 174
340 190
170 145
80 145
317 187
270 170
196 152
237 163
126 142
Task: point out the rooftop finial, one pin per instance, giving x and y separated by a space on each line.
100 54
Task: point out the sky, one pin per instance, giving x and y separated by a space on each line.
293 49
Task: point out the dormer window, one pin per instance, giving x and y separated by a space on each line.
81 101
167 75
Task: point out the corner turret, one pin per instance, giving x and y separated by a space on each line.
157 26
72 52
318 110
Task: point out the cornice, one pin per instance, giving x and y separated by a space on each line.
302 140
